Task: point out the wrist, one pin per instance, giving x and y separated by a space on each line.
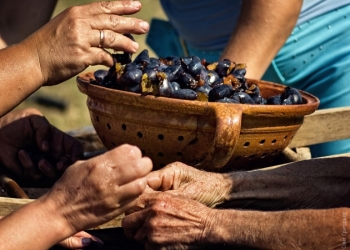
217 231
230 184
224 186
53 212
31 49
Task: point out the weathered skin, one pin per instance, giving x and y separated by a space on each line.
174 219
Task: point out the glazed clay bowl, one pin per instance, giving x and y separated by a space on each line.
207 135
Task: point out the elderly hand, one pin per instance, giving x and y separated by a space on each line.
29 128
169 222
76 38
178 178
103 188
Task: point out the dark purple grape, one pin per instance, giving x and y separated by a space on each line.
99 75
274 100
294 94
165 88
173 72
228 100
220 91
203 89
244 98
131 77
185 94
143 59
175 86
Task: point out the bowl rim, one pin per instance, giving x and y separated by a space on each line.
309 105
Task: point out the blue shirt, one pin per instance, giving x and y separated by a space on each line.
221 16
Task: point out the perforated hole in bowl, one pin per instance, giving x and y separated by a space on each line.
285 138
109 126
251 157
262 142
246 144
139 134
194 141
273 141
180 138
161 137
143 152
123 127
274 152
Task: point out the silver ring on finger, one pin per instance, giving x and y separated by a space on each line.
102 37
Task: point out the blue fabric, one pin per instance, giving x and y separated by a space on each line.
315 8
205 24
208 24
316 58
163 39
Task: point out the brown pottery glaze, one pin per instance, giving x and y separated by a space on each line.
207 135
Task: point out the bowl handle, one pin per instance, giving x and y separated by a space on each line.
228 127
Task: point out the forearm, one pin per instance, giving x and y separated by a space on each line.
262 29
20 74
317 183
35 226
296 229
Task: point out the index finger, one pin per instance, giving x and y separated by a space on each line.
113 7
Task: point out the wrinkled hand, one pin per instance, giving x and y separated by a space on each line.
93 192
68 44
178 178
29 128
169 222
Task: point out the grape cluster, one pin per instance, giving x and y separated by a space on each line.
188 78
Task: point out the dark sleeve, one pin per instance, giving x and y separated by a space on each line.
315 183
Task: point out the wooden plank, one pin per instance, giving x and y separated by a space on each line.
8 205
323 126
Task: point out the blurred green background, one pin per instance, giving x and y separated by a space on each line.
76 114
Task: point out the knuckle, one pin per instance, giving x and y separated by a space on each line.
73 11
153 223
106 6
111 37
114 20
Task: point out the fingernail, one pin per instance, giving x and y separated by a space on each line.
135 46
45 145
44 166
136 4
86 241
144 26
24 156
